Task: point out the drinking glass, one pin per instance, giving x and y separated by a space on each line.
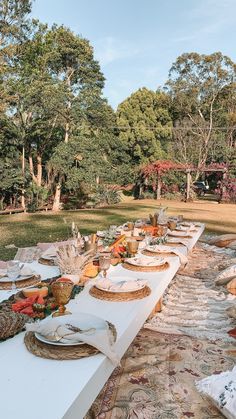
13 271
132 247
104 264
148 238
113 228
130 225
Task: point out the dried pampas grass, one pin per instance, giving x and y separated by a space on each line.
70 261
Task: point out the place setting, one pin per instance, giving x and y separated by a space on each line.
124 289
166 251
180 233
16 275
71 336
146 264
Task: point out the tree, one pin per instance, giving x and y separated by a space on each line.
13 29
10 165
144 125
72 63
195 84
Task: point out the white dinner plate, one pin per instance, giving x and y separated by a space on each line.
82 320
51 342
158 248
54 258
139 287
144 262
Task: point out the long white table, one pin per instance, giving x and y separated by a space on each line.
32 386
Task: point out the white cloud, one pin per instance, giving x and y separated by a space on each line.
110 49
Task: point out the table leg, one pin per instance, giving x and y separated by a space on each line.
157 308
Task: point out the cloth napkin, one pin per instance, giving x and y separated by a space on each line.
3 265
99 337
24 271
179 233
46 246
188 229
168 249
51 252
183 241
120 286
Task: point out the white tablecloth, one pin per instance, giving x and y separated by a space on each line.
32 386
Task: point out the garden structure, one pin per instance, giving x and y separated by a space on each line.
157 169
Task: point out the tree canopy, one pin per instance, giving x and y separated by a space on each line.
59 132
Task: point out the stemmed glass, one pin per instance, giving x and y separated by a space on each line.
112 228
13 271
148 238
132 247
104 264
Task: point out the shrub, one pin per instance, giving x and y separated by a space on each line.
148 195
226 189
173 196
105 196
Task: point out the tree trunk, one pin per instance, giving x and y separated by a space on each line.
188 185
23 175
57 196
31 169
158 185
67 128
39 170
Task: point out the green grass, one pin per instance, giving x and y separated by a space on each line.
24 230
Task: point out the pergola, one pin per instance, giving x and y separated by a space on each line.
159 167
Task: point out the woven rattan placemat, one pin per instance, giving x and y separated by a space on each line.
175 244
120 296
150 253
48 351
181 237
34 280
46 262
159 268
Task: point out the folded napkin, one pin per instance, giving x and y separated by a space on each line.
80 327
51 252
101 233
158 248
3 265
180 240
145 261
189 228
46 246
179 233
24 271
120 286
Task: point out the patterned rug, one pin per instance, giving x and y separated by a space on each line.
193 305
157 376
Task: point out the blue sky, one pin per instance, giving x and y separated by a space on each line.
136 41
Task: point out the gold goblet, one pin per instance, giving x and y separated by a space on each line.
130 225
172 225
61 292
132 247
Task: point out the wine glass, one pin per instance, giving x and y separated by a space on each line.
13 271
104 264
132 247
148 238
61 292
113 228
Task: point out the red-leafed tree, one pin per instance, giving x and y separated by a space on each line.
155 171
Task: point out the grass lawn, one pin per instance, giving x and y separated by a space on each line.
24 230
